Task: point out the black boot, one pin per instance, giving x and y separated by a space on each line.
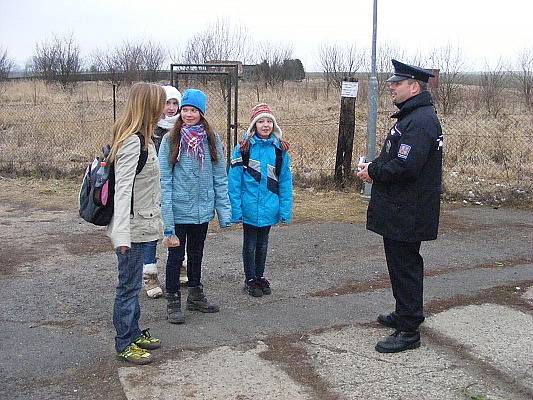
196 301
174 315
399 341
388 320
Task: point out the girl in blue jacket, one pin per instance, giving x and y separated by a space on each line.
260 191
193 185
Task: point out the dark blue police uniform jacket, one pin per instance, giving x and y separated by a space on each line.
407 175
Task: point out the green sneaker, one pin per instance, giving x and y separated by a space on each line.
135 355
147 342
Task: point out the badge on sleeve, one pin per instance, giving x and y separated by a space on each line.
440 142
404 150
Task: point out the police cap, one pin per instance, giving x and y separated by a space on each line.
404 71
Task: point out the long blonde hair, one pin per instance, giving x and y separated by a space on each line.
143 109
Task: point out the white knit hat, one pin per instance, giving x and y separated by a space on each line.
262 110
173 93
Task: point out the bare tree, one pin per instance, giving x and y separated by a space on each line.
450 62
131 61
220 41
270 64
6 64
338 62
491 88
154 57
58 60
384 68
524 76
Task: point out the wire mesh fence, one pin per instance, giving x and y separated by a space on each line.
485 157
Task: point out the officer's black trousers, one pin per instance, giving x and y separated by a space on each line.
406 271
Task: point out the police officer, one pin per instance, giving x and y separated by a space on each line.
405 199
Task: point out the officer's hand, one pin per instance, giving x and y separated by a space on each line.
363 172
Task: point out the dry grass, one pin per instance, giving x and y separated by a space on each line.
62 194
45 131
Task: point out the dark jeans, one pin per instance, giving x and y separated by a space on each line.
406 271
254 250
192 237
149 252
126 311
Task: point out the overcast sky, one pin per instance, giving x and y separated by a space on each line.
485 30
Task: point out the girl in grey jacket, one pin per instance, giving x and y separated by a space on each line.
193 185
134 222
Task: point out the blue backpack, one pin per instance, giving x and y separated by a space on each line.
97 193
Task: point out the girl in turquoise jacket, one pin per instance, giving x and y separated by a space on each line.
260 191
193 185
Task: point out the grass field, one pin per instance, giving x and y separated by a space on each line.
46 131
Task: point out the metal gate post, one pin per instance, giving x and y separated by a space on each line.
236 107
232 78
229 147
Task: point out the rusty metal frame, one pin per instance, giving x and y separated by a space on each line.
232 86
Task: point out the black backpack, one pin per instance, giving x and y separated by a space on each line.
279 159
97 193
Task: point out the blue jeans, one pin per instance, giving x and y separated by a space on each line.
254 250
149 252
126 311
192 237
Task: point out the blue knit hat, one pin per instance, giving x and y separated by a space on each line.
195 98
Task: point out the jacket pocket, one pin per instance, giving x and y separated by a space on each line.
182 196
146 221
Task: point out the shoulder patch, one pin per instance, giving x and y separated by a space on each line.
440 142
403 151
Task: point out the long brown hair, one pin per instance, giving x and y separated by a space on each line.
143 109
175 140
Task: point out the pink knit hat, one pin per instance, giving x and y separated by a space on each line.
259 111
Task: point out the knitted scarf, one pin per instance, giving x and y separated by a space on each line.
168 122
192 139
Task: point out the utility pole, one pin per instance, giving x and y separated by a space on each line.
372 102
343 162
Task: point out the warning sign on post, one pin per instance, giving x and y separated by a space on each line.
349 89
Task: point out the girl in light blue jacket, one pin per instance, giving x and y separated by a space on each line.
260 191
193 185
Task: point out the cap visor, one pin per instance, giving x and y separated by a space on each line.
397 78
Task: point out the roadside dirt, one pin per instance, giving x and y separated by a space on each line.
62 271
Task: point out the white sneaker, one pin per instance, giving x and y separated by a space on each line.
151 281
152 286
183 275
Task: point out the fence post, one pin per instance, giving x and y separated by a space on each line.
114 102
343 161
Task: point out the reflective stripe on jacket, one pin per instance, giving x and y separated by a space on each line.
259 197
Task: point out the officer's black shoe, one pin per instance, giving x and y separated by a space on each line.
388 320
399 341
